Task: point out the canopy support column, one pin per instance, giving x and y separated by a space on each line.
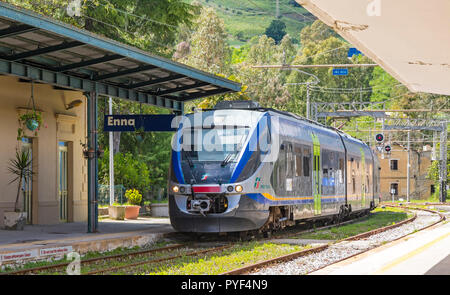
92 154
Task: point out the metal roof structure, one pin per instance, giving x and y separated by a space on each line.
410 39
36 47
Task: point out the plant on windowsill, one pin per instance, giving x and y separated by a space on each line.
20 168
134 203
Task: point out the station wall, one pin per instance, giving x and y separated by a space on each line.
56 152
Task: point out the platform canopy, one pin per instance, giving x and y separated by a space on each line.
410 39
45 50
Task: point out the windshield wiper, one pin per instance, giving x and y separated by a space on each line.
185 154
226 160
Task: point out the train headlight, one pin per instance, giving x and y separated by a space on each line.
239 188
182 189
175 188
230 188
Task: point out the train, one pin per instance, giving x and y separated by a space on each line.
240 167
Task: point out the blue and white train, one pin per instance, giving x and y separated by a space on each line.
239 167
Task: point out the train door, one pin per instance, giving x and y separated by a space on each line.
317 190
363 178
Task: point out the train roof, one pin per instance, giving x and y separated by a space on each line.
252 106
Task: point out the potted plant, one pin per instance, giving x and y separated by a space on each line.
20 168
117 211
32 121
159 208
134 201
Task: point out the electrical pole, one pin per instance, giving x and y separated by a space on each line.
277 12
408 168
307 101
111 161
443 165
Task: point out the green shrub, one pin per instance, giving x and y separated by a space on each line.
133 196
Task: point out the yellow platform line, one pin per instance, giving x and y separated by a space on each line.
411 254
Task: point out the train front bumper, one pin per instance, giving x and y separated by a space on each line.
247 215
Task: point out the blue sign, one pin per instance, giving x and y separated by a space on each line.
353 51
130 123
340 72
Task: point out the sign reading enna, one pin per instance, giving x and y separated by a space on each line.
130 123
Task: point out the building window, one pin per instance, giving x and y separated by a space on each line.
432 189
394 164
394 189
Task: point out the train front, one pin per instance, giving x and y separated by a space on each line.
214 158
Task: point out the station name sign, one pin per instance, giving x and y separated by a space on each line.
132 123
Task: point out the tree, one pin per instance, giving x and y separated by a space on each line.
149 25
433 171
266 86
276 30
129 171
208 50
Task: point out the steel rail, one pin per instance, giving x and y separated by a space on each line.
153 261
91 260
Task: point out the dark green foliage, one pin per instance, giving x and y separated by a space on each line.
276 30
20 168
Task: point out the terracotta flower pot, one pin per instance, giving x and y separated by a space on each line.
132 212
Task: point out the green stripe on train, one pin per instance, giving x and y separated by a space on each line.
317 188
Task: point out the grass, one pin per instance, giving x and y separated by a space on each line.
238 256
378 218
252 18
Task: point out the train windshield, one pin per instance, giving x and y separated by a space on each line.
217 144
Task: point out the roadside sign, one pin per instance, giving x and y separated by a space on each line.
353 51
387 148
340 72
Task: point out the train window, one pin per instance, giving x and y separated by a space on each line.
341 170
367 183
306 161
289 161
298 161
298 165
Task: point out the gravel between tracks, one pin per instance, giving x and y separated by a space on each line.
341 250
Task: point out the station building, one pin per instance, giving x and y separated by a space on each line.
393 174
57 192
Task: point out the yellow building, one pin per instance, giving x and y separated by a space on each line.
58 161
394 173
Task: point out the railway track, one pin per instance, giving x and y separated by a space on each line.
62 266
138 261
279 264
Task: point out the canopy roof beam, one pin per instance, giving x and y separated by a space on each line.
16 30
44 50
156 81
124 72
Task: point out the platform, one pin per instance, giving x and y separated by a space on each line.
43 241
424 252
